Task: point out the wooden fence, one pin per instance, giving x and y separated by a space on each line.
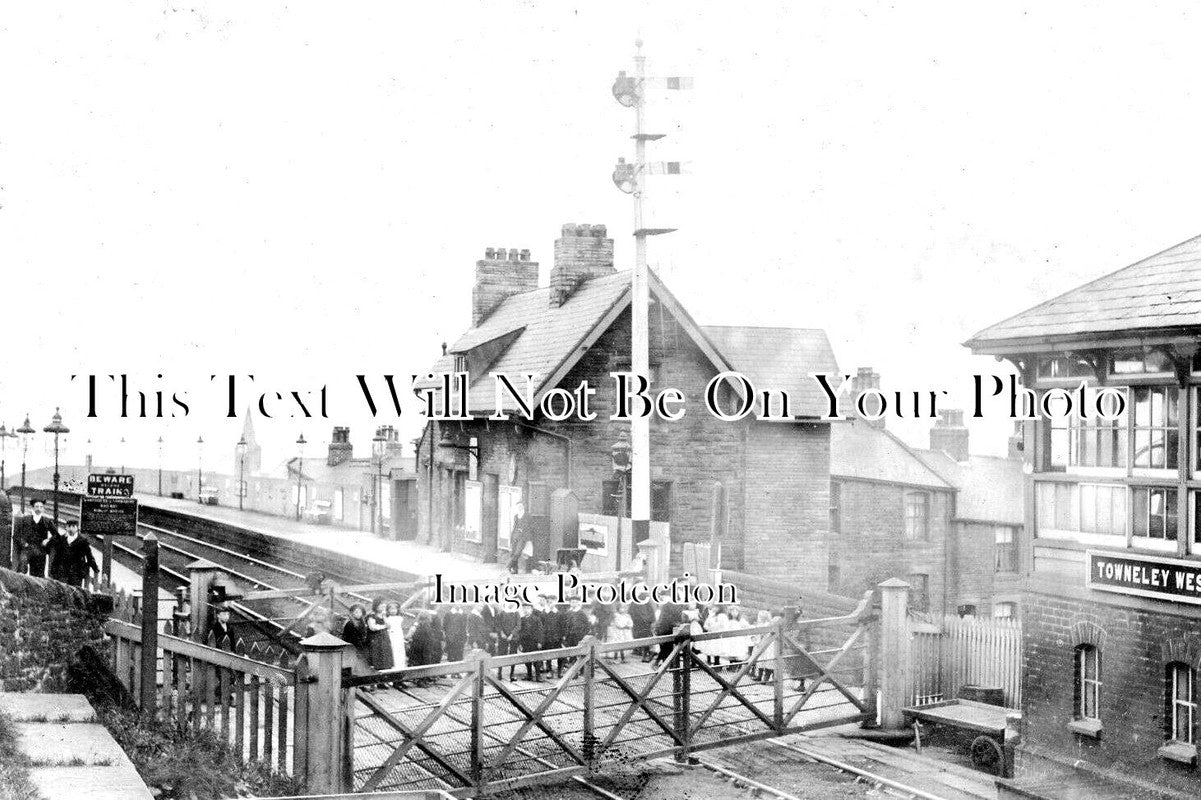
968 651
235 695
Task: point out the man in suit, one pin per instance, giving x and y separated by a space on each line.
454 629
36 534
220 634
71 559
519 538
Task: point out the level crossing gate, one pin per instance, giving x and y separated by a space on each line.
465 728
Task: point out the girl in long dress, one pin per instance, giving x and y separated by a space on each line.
396 635
378 643
621 629
736 645
714 649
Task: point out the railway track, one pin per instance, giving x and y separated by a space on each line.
268 622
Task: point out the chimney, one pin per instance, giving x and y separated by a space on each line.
340 448
866 378
950 436
393 446
498 275
582 252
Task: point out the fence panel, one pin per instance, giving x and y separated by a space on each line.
967 651
209 689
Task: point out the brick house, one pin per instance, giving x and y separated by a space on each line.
1111 609
943 520
775 474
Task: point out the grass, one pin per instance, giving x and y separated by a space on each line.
15 783
182 763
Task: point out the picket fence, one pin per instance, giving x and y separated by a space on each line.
245 695
967 651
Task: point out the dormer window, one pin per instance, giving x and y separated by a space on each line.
460 362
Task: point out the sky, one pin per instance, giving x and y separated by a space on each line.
300 191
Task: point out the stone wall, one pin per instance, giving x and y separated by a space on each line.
43 625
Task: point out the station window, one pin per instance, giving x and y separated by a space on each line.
1089 442
1140 362
1062 367
1004 610
1088 682
1182 703
917 516
1155 513
1006 549
1091 508
1156 435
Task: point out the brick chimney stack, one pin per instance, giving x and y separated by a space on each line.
498 275
950 436
340 448
393 446
582 252
866 378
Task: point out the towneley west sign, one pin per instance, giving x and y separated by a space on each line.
1168 579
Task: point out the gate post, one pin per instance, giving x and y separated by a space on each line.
479 660
323 733
148 691
894 653
590 703
200 579
681 690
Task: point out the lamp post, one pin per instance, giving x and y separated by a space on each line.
121 446
57 429
5 435
300 443
379 446
160 466
199 468
622 467
241 447
26 433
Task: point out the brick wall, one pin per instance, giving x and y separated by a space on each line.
975 578
872 546
1133 665
43 624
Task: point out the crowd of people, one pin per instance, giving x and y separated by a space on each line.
384 639
41 549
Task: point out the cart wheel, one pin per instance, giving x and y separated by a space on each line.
987 755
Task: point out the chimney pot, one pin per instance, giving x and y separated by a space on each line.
581 253
490 253
950 436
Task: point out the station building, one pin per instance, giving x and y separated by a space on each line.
760 488
1112 568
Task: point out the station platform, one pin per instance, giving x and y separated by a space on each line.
411 557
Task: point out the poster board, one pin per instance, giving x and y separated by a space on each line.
507 499
473 515
595 531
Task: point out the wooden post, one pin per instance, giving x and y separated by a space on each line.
323 739
871 673
106 558
481 661
590 704
894 653
148 688
200 579
681 689
777 667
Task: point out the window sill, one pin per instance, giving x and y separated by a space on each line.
1179 752
1086 727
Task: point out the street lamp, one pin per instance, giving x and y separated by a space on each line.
26 433
57 428
300 443
242 445
160 466
199 468
5 435
379 446
622 467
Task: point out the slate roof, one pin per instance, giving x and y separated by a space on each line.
1163 291
860 451
991 489
532 336
779 358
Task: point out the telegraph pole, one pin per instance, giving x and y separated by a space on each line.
631 178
